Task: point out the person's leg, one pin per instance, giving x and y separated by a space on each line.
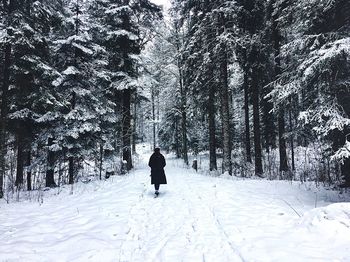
156 187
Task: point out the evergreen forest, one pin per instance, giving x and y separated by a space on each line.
246 88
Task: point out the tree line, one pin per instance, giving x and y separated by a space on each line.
262 86
257 77
69 72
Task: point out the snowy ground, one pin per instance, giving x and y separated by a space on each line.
196 218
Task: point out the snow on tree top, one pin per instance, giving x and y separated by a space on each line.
122 32
71 70
83 49
117 10
73 39
23 113
327 52
47 117
343 153
3 35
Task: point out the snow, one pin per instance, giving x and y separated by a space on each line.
22 114
47 117
332 218
195 218
71 70
164 3
83 49
343 153
124 33
322 56
117 10
3 35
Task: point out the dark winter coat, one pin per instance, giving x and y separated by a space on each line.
157 164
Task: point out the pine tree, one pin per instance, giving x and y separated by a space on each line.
249 20
6 11
121 29
30 73
277 43
224 94
316 54
75 57
205 29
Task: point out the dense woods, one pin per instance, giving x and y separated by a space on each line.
68 75
266 87
261 87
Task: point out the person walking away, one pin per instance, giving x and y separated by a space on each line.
157 164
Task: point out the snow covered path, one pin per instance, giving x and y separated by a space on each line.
196 218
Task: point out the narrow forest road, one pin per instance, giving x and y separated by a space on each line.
195 218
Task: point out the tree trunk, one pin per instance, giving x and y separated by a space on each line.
269 131
101 159
177 139
71 170
225 108
20 158
345 171
184 134
212 138
212 92
126 127
3 116
183 98
276 38
183 118
71 161
71 158
246 119
50 171
256 122
118 135
153 118
7 6
282 141
134 133
2 157
29 172
291 139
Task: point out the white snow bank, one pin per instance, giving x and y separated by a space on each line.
332 219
